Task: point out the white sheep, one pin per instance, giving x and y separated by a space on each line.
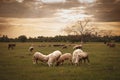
39 57
75 55
31 48
84 56
79 55
63 57
53 57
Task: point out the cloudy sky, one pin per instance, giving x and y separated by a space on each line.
47 17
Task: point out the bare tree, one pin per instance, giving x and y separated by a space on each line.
107 33
80 28
68 30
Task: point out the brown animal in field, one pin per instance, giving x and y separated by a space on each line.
111 44
58 45
77 47
11 46
64 47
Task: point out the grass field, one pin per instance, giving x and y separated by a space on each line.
17 64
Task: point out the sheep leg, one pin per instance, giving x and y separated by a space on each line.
57 64
76 64
71 62
84 60
49 64
11 47
88 60
34 60
80 61
62 62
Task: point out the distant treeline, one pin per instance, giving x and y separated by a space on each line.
69 38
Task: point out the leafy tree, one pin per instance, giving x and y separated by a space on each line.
22 38
4 38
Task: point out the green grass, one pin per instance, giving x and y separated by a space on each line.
17 64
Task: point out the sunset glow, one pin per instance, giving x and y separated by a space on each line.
47 17
87 1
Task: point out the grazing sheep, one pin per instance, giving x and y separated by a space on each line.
58 45
112 45
84 56
78 56
64 47
11 46
41 45
39 56
53 57
31 48
75 55
77 47
63 57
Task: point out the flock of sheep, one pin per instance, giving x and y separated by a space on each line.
56 58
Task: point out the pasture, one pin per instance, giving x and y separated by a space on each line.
17 64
